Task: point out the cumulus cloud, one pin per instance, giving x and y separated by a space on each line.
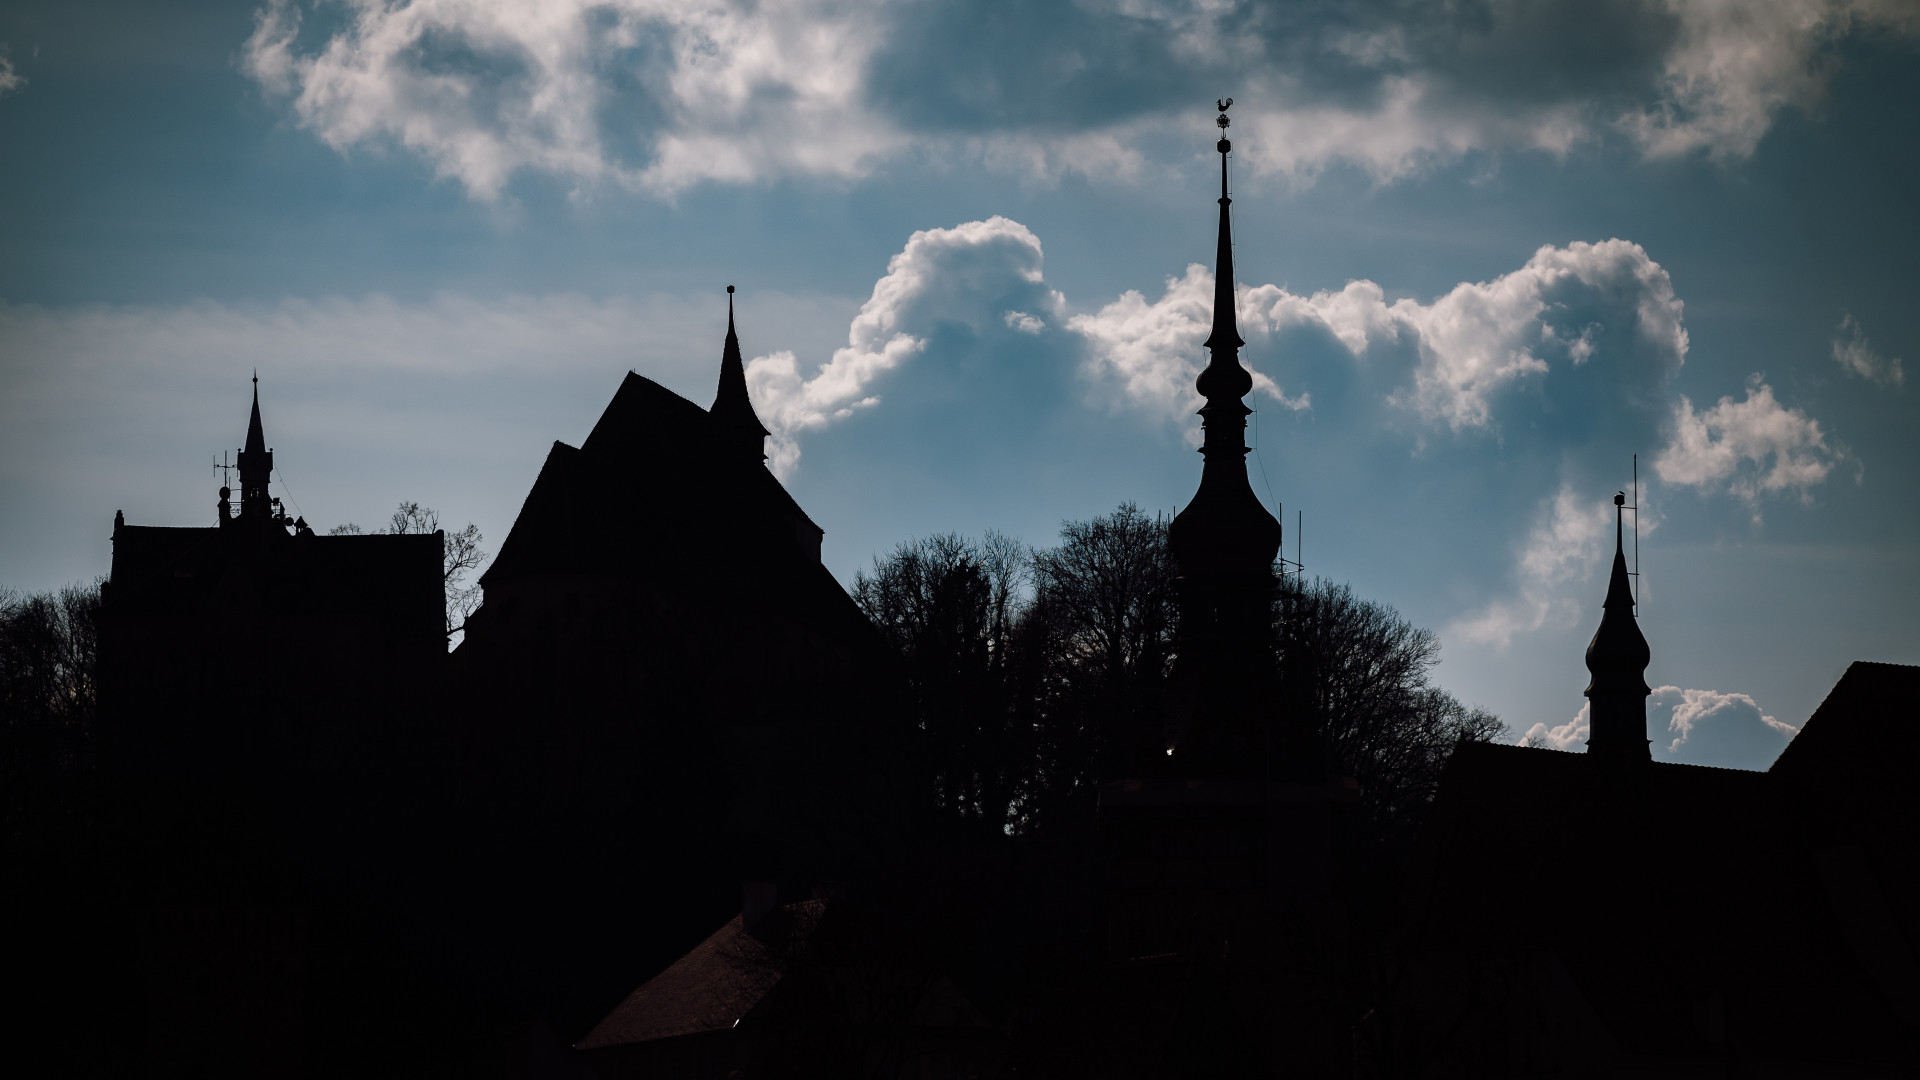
10 80
1708 727
972 274
1152 352
1693 727
1469 345
656 95
1755 446
1571 735
1856 356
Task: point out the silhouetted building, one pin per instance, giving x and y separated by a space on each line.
1603 914
256 680
253 646
1219 861
665 693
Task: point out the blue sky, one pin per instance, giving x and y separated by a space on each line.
1486 253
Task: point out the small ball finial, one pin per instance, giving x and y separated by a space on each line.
1223 146
1620 499
729 290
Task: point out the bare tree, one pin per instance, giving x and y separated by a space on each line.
1363 673
1102 623
49 665
461 556
1029 697
949 605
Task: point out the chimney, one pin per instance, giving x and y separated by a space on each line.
759 898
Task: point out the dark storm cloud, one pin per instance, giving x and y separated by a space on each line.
983 67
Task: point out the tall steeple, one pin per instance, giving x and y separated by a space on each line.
1223 545
740 433
256 465
1224 532
1618 658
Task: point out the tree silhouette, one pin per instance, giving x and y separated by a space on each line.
49 667
1038 675
1362 672
950 606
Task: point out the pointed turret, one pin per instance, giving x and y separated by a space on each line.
738 429
1618 657
256 465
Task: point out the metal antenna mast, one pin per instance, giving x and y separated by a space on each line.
1636 535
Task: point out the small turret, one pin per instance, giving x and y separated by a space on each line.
256 467
1618 657
739 432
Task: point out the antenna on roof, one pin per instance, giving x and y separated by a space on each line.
1636 535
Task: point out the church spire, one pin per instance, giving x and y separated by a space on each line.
1223 546
1224 530
1618 658
256 465
739 431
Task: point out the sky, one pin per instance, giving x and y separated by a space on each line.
1486 254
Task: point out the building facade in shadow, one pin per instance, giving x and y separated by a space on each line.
258 687
1604 914
663 695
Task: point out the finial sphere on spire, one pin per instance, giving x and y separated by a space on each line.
729 290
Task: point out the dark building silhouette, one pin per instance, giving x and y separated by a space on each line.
1218 855
1603 914
664 694
253 679
248 645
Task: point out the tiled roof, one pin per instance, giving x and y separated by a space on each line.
712 987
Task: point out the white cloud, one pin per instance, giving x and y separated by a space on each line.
1480 338
1154 352
1737 63
1709 727
657 95
1408 126
485 88
954 274
1571 735
1856 356
1471 343
1754 447
1702 727
10 80
1023 322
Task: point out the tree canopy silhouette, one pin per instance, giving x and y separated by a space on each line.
1039 674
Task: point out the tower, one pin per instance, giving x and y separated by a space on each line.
1618 658
256 467
737 429
1223 546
